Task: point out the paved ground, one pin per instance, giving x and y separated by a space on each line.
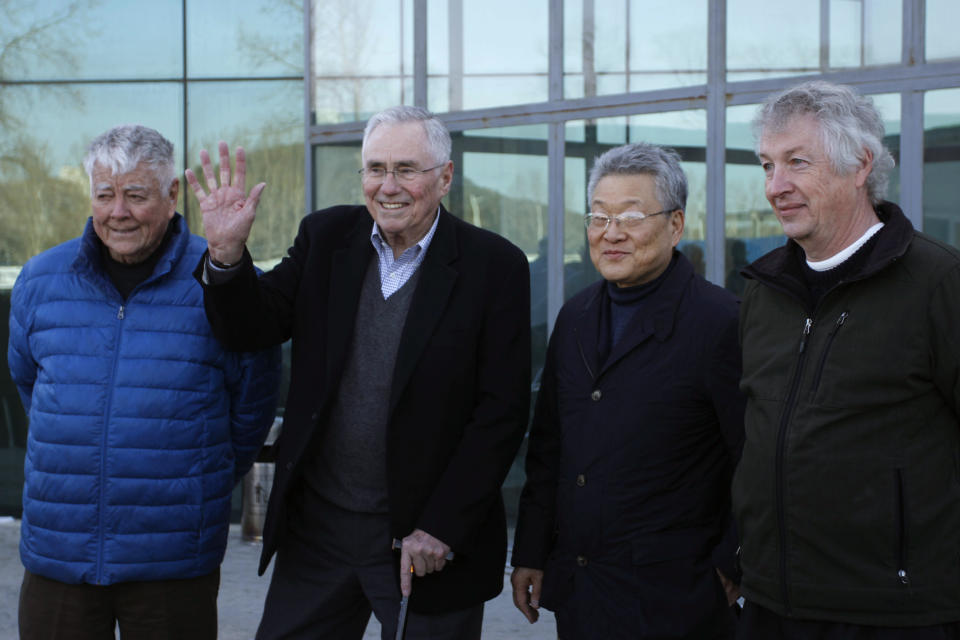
242 593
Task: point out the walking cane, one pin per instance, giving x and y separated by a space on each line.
405 600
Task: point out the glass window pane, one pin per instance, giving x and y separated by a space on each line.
269 127
882 32
245 38
942 17
766 39
865 33
335 177
632 45
486 60
44 191
941 165
359 63
90 40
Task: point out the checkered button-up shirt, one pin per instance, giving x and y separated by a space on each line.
394 272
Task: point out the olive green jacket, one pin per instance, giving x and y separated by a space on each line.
847 496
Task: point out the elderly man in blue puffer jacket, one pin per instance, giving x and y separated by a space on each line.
141 422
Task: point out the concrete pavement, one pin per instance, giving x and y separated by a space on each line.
242 594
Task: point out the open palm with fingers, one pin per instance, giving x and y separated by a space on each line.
227 210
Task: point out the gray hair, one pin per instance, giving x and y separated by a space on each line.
438 137
123 148
641 158
849 123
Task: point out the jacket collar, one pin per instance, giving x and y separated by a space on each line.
657 321
780 268
89 262
438 275
436 280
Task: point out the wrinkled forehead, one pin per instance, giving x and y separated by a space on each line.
801 132
142 177
397 143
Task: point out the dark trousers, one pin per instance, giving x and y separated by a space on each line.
333 568
155 610
758 623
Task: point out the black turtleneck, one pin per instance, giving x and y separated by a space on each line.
125 277
623 305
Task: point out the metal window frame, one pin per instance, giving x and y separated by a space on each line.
910 78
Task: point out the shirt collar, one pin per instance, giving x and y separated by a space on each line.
378 242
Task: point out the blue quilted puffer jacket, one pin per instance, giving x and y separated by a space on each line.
140 422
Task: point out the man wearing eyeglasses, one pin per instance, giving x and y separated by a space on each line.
409 390
624 528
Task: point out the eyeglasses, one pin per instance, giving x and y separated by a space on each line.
598 222
401 174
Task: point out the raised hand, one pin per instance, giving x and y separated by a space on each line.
227 210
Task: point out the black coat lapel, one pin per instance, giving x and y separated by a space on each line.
586 330
348 267
437 278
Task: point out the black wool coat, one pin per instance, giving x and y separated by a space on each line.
460 394
627 501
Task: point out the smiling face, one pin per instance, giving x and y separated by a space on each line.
823 211
404 210
130 211
637 255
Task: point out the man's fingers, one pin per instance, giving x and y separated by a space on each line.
419 565
224 163
240 171
208 170
195 184
254 197
520 598
406 578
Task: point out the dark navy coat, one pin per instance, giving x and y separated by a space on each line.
627 501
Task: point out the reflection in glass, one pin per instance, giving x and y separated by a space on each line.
484 59
90 39
359 66
771 38
633 45
941 165
865 33
244 38
335 178
942 17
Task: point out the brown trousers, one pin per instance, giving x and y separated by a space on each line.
156 610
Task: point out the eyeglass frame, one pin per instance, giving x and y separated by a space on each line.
637 216
414 173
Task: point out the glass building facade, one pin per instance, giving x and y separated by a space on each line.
532 91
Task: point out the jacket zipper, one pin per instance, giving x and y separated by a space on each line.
103 446
826 349
902 575
781 447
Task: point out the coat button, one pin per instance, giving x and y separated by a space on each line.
581 561
581 480
596 395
